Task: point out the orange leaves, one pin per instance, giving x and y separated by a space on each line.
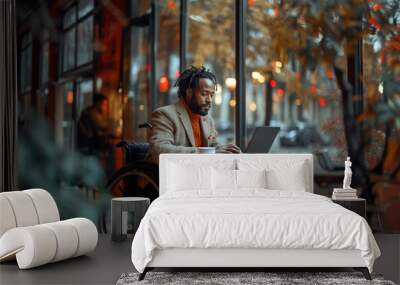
393 44
376 7
374 22
251 3
171 5
368 115
329 73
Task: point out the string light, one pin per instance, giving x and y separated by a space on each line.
70 97
230 82
218 99
257 76
218 95
380 88
253 106
164 84
322 102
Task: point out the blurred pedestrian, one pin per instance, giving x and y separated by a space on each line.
94 135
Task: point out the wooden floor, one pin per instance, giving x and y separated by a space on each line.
111 259
103 266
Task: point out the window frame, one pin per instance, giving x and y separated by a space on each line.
354 63
44 40
75 26
24 47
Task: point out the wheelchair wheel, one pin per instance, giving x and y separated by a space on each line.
138 179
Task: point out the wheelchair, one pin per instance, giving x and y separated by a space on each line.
137 178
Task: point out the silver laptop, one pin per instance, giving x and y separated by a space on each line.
262 139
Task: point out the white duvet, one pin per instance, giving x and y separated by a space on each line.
250 219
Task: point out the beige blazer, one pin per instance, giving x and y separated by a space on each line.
172 132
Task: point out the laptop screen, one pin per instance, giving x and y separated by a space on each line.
262 139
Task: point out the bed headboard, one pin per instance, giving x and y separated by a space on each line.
217 159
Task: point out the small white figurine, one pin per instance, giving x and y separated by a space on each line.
347 174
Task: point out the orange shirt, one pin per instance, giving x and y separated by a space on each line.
195 121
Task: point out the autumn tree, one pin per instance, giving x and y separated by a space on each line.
313 34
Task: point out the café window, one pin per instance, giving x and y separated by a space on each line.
44 57
42 99
25 73
26 62
306 105
211 37
77 35
168 52
74 97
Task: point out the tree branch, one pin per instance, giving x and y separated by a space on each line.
355 145
378 169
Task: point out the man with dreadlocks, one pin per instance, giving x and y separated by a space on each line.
186 125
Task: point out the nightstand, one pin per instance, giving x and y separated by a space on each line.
356 205
120 208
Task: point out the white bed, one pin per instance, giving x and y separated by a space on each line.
219 224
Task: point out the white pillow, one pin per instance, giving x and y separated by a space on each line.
228 179
281 174
251 178
293 180
184 177
224 179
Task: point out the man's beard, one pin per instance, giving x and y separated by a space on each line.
196 108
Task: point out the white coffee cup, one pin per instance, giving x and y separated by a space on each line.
208 150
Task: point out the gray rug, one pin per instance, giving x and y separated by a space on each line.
229 278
